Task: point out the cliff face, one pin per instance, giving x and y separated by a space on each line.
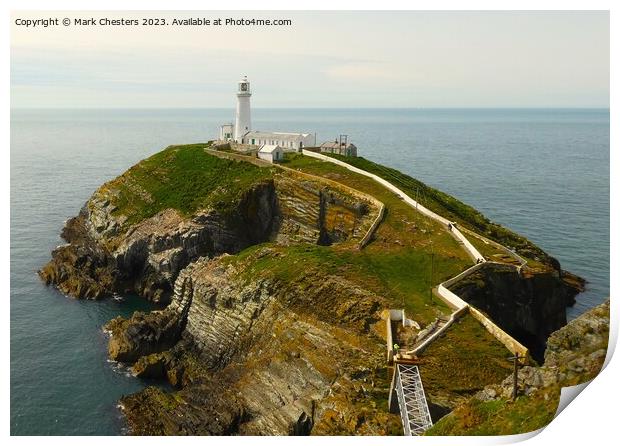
267 330
317 214
575 354
281 358
529 305
147 258
103 256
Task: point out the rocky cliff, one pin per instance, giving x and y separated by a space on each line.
272 323
529 304
264 355
575 354
99 259
109 250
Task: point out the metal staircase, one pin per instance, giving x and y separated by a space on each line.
414 413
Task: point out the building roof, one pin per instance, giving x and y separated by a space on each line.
281 136
336 145
269 148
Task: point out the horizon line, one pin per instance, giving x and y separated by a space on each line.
550 107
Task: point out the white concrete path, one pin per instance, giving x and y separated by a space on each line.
455 302
471 250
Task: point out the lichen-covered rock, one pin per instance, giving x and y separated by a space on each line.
83 268
291 356
105 254
193 412
143 334
153 366
249 348
99 260
586 334
575 354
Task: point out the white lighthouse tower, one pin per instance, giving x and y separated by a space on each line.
243 122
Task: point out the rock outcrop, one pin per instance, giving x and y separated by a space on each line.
103 256
265 331
575 354
147 258
277 357
528 304
80 268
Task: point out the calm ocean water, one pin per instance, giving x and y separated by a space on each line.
543 173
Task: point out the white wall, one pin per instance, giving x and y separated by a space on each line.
276 155
451 299
266 156
289 144
227 128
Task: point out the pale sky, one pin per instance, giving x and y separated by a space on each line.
325 59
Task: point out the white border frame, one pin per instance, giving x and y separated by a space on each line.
590 419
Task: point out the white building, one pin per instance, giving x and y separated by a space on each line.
227 132
242 132
290 142
271 153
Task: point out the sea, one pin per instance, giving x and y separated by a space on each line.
541 172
